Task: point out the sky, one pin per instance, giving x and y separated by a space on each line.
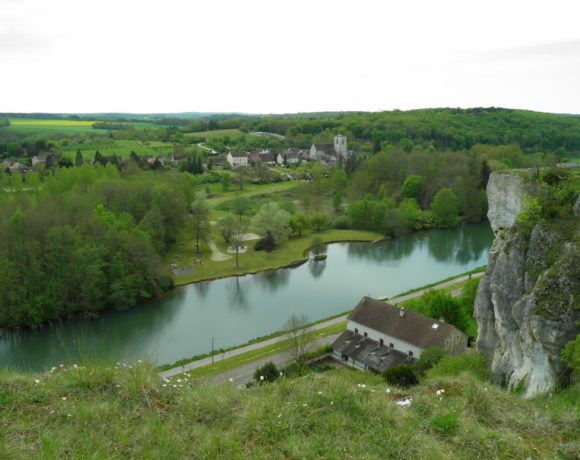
280 56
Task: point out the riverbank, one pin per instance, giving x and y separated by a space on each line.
252 262
278 342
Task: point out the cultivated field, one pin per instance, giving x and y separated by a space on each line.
122 148
65 126
232 133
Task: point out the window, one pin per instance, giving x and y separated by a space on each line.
391 346
356 330
381 342
410 354
366 336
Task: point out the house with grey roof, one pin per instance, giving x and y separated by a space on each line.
380 335
237 159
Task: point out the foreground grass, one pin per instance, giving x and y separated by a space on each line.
104 412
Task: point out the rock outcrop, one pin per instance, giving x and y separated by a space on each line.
527 302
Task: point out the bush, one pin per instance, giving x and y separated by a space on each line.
451 366
402 376
268 243
341 222
267 373
429 358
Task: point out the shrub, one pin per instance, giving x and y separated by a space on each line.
341 222
452 366
268 243
429 358
268 371
402 376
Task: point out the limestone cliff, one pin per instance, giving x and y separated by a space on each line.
527 302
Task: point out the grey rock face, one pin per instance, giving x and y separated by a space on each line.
505 193
527 302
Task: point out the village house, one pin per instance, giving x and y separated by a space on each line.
380 335
38 160
237 159
290 157
264 156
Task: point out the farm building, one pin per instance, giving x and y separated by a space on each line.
380 335
237 159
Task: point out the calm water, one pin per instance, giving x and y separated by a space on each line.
235 310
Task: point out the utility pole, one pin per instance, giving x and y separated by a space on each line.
212 350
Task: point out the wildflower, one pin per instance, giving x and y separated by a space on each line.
75 366
64 398
331 403
139 361
164 385
279 415
281 374
36 381
178 380
388 390
261 377
304 405
231 379
320 392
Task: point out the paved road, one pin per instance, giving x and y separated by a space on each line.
239 373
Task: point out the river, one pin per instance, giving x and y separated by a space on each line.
234 310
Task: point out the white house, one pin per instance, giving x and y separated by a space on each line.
380 335
237 159
291 156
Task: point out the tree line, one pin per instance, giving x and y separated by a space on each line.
88 239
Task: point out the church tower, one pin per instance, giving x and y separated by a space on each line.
340 145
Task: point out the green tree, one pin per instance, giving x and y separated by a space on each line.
270 218
79 158
200 215
412 187
319 220
445 208
411 213
298 224
227 226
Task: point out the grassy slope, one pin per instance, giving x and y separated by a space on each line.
103 412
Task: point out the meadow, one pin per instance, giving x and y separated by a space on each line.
66 126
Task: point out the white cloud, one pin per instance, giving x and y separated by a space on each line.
282 56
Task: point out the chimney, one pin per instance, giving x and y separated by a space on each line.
402 312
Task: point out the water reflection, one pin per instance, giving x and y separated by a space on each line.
237 295
274 280
316 267
202 288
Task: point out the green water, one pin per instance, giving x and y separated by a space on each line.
235 310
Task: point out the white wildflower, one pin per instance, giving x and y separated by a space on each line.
231 379
261 377
36 381
64 398
388 390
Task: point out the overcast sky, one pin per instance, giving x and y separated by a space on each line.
278 56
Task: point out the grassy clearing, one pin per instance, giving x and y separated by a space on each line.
103 412
252 261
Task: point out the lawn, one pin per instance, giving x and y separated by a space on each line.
123 149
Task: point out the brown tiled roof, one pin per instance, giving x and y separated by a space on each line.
412 327
326 148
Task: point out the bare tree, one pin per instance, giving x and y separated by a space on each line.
297 330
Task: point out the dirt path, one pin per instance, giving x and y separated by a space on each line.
216 254
240 373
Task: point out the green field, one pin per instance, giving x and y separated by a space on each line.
123 149
232 133
65 126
